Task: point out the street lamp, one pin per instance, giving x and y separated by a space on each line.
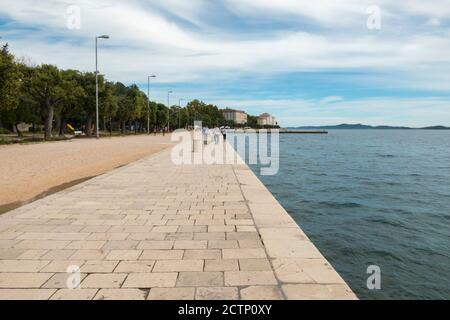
179 110
96 83
168 111
148 103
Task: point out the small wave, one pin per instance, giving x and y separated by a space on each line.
333 204
385 156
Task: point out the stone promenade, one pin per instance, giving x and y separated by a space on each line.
154 230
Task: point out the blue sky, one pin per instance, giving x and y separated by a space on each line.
305 62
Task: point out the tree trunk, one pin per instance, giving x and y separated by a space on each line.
62 127
110 127
49 121
19 133
89 126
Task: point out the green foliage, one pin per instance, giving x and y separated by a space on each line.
9 80
4 131
48 97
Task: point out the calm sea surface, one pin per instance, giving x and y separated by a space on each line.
373 197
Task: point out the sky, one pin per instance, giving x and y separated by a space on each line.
321 62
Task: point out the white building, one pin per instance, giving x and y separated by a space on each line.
237 116
267 120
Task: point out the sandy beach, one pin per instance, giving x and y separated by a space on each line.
28 171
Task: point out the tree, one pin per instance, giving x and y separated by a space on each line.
109 105
73 97
131 104
45 85
88 104
10 80
252 121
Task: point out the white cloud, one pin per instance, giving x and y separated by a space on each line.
323 35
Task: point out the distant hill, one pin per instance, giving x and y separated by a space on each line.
362 126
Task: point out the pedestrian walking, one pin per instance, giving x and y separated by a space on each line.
205 132
224 133
217 134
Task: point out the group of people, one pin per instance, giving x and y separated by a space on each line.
216 133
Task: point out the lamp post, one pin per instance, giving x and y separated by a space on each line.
96 84
148 103
168 111
179 110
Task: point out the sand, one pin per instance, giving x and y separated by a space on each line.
27 171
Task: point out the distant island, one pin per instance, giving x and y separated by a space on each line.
362 126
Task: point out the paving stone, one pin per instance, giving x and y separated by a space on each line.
204 254
192 229
221 265
60 281
216 293
62 265
58 254
222 244
121 294
108 236
101 266
180 236
151 280
42 244
178 265
103 280
134 266
156 245
196 279
74 294
242 236
241 228
306 271
23 280
26 294
249 278
173 294
89 255
22 265
32 254
165 229
162 255
318 292
209 236
243 253
147 236
250 244
275 240
11 253
120 245
255 265
124 255
221 228
190 244
261 293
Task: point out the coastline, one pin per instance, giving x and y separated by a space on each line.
235 243
301 270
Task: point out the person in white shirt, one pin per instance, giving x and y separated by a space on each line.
205 132
217 134
224 133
